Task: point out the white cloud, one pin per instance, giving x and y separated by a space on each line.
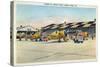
38 23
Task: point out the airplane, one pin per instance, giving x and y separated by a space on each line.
63 31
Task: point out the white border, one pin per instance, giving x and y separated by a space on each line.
57 5
56 62
14 31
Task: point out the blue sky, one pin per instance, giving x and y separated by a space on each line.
31 12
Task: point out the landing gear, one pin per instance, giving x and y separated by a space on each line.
65 39
59 40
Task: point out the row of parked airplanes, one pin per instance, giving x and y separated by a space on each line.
59 33
56 35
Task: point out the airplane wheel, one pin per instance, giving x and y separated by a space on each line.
65 39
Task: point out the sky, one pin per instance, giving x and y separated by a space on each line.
26 13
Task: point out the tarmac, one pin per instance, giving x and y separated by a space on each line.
33 52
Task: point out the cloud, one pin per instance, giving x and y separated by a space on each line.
38 23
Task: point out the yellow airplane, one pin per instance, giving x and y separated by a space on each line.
53 36
36 35
57 35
